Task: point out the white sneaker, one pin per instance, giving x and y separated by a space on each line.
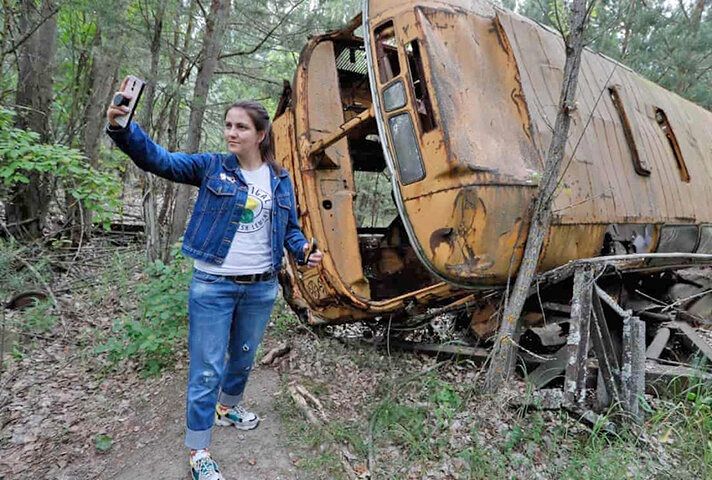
202 467
236 416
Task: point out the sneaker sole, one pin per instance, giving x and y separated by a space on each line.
240 426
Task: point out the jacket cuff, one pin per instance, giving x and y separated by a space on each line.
117 133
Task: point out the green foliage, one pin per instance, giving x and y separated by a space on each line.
667 42
103 443
14 276
404 425
39 318
152 339
21 155
686 423
374 205
284 321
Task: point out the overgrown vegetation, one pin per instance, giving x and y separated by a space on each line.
419 419
15 277
22 154
150 311
152 338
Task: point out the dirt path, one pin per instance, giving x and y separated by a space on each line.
257 454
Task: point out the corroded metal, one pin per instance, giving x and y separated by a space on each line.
479 85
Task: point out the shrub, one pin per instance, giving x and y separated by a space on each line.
21 154
153 338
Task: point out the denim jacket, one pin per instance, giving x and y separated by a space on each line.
221 197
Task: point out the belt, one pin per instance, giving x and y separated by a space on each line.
255 277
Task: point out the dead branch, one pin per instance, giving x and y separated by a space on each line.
503 353
31 31
266 37
302 398
311 398
303 406
278 351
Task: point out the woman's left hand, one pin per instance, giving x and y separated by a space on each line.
315 258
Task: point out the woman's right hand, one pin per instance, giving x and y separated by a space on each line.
113 111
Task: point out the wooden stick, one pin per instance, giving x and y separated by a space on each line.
301 403
278 351
577 344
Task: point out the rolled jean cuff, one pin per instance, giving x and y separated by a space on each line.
197 439
229 400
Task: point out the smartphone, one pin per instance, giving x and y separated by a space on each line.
312 248
134 88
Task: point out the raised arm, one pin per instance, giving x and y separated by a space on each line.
147 155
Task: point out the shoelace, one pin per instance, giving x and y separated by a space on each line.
240 410
205 466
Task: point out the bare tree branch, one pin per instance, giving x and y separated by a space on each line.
247 75
266 37
32 30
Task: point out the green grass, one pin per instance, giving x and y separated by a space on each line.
407 426
15 277
284 321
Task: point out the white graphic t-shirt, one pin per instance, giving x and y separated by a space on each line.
251 249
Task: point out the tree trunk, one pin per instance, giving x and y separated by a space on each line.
504 354
106 57
151 184
27 208
215 26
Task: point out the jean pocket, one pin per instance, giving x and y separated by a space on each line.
205 277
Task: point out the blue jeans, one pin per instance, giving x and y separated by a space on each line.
226 324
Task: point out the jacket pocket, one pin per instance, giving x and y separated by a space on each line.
219 195
221 187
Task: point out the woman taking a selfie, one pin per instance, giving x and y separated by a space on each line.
243 218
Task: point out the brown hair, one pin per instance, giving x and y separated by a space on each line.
260 118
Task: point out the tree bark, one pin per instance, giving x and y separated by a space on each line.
151 184
215 26
27 208
106 57
504 354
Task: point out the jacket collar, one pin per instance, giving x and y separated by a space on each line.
230 163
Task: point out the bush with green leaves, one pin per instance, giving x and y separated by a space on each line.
21 154
152 339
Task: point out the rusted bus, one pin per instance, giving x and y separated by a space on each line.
454 102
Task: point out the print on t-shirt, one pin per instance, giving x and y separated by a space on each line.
257 210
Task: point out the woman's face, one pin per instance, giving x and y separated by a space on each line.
241 136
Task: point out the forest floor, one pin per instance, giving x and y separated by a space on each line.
69 410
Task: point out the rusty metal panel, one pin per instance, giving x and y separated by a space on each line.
570 242
478 96
330 187
479 153
600 184
477 233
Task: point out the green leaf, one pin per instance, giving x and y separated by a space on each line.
103 443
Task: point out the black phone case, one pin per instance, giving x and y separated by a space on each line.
134 87
312 248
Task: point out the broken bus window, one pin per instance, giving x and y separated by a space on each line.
420 88
388 63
